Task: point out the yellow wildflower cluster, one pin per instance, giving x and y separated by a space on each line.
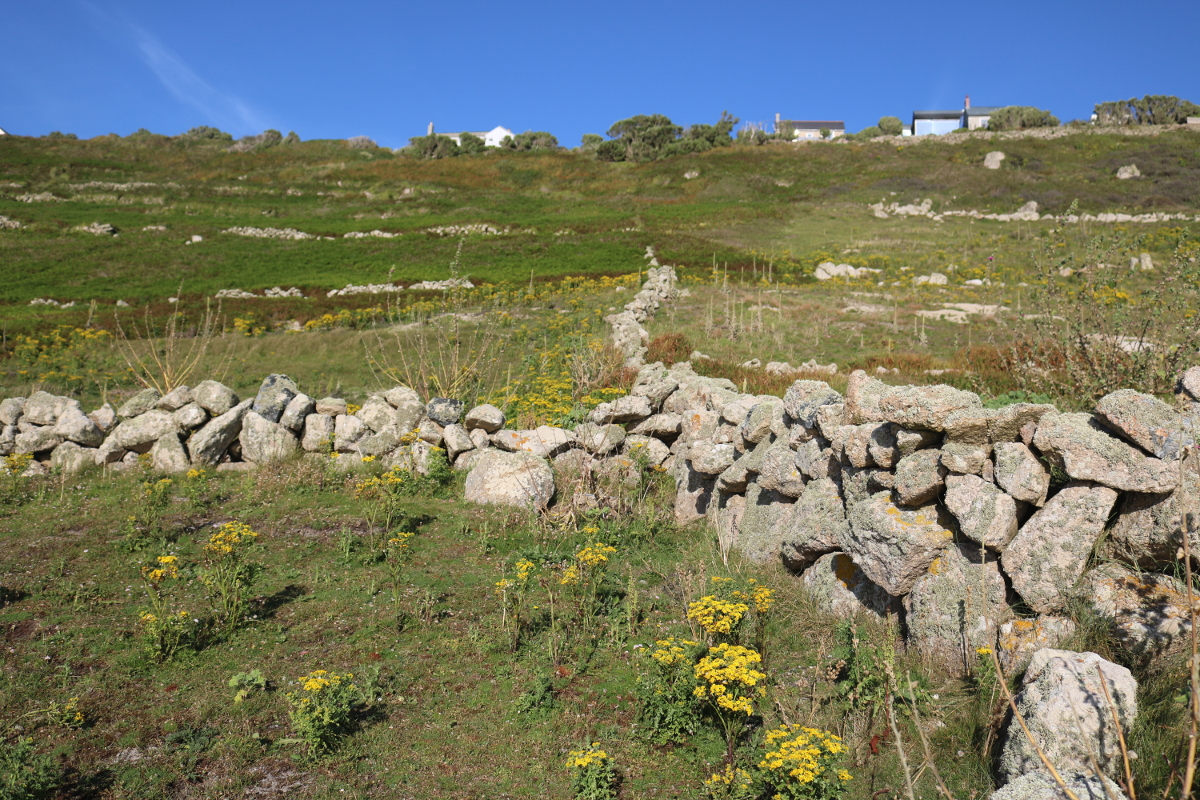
157 488
805 755
195 474
67 355
728 679
729 778
168 567
400 541
148 619
590 756
69 715
229 537
671 651
595 554
525 568
249 326
715 615
570 576
345 318
17 463
320 680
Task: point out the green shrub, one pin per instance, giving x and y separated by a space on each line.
668 710
23 775
591 141
1011 118
529 141
432 146
1156 109
207 133
891 126
470 144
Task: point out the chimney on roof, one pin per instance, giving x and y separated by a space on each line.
430 130
967 104
776 120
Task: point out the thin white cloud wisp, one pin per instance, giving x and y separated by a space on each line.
217 107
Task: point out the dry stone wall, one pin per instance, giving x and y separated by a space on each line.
973 527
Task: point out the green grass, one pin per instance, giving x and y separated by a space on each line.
450 712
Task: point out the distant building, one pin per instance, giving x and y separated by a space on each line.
936 123
490 138
3 132
976 118
805 129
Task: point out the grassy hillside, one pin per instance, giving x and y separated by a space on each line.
567 213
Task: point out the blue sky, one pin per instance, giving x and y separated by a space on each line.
385 70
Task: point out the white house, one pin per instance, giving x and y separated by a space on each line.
490 138
3 132
804 129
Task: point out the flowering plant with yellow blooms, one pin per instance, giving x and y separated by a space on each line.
668 709
229 574
802 763
729 683
322 709
593 776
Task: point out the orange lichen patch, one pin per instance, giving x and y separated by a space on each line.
936 567
845 569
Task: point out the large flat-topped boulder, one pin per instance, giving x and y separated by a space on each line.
512 479
922 407
926 407
1047 556
139 404
140 432
215 398
43 408
264 441
1075 442
1006 423
485 417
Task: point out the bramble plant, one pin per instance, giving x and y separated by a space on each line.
228 575
668 708
166 630
23 775
593 776
729 683
802 764
322 709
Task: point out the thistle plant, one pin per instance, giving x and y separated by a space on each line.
729 683
593 776
229 574
802 764
165 629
